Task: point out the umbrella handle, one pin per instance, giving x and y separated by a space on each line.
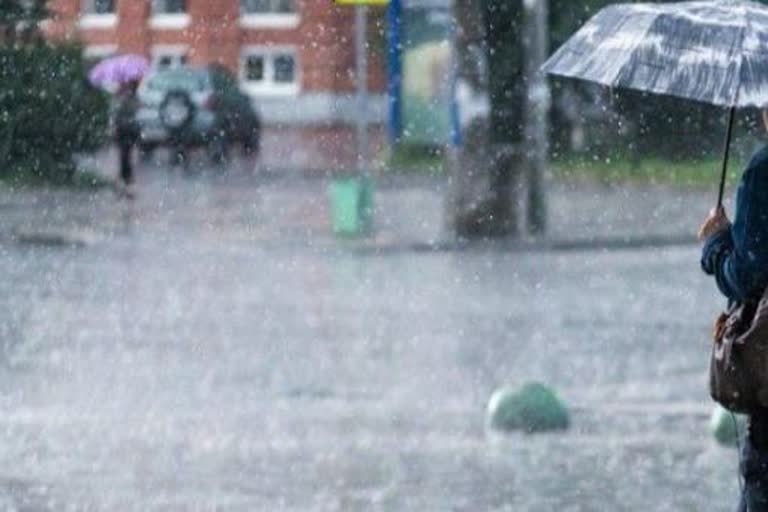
726 152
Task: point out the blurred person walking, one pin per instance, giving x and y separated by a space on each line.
737 256
123 72
127 133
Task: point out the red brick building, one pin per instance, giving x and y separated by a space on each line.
295 57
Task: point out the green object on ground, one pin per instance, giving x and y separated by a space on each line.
723 428
532 408
351 205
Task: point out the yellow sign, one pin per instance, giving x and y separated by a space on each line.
362 2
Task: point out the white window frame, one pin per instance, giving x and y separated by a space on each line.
97 20
274 21
99 51
165 21
175 51
268 87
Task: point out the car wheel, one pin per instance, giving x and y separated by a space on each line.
177 111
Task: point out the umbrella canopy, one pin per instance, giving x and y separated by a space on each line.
710 51
119 70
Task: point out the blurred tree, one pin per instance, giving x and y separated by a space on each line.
503 21
566 16
491 58
20 19
574 112
48 110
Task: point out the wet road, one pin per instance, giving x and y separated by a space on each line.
212 348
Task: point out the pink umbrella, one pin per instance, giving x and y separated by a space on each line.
119 70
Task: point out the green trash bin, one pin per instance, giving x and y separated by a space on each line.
351 205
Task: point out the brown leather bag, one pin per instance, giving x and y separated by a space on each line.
738 369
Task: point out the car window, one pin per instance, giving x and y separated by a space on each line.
187 80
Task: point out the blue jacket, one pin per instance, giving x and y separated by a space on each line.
738 256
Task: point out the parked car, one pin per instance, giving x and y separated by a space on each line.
188 107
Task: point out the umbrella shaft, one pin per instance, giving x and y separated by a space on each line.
726 152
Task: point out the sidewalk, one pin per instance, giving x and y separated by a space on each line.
292 209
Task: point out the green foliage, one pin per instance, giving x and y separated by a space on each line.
48 110
504 23
566 16
21 18
14 11
667 126
84 180
657 171
415 159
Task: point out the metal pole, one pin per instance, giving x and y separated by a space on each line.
454 78
726 152
537 109
361 23
453 203
395 70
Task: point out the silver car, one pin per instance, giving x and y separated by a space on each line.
187 107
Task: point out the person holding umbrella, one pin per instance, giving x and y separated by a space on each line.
737 256
124 72
127 132
714 52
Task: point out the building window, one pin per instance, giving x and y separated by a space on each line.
269 71
169 6
98 14
267 6
168 57
169 14
285 69
98 6
254 68
269 13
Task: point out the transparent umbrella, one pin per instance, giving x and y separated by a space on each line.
714 52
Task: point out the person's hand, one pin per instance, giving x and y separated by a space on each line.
716 221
